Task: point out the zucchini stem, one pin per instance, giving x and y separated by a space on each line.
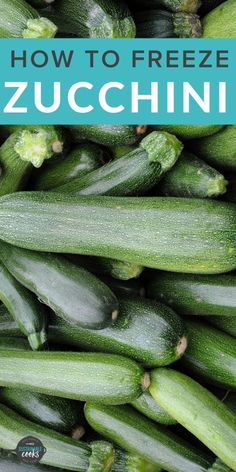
146 382
39 28
78 432
37 146
182 346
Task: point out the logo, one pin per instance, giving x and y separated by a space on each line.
30 450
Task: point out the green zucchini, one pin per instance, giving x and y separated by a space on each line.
99 377
192 177
82 159
224 323
125 462
198 410
149 407
211 355
220 22
11 463
72 292
138 435
13 344
199 295
133 174
190 6
24 309
218 149
61 451
164 24
190 131
108 135
93 18
219 466
59 414
8 326
121 270
145 331
20 20
177 234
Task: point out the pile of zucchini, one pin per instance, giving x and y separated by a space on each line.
118 270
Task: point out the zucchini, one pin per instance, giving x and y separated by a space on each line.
133 174
72 292
145 331
13 344
220 22
224 323
138 435
125 462
106 378
82 159
8 326
11 463
61 451
199 295
20 20
218 149
59 414
190 6
108 135
164 24
186 132
192 177
211 355
149 407
198 410
177 234
24 309
121 270
93 18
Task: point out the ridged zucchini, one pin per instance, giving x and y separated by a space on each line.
108 135
72 292
211 355
138 435
145 331
176 234
164 24
190 6
93 18
82 159
190 131
62 451
199 295
59 414
198 410
192 177
99 377
218 149
220 22
20 20
121 270
146 405
224 323
24 309
11 463
133 174
13 344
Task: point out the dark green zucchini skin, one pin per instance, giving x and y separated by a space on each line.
192 177
190 6
90 376
224 323
146 405
133 174
107 135
82 159
93 18
13 344
139 435
198 410
164 24
219 149
62 451
211 355
11 463
175 234
199 295
59 414
24 309
72 292
187 132
145 331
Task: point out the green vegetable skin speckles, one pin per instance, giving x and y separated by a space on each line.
176 234
220 22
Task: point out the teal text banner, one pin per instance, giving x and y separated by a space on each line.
129 81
